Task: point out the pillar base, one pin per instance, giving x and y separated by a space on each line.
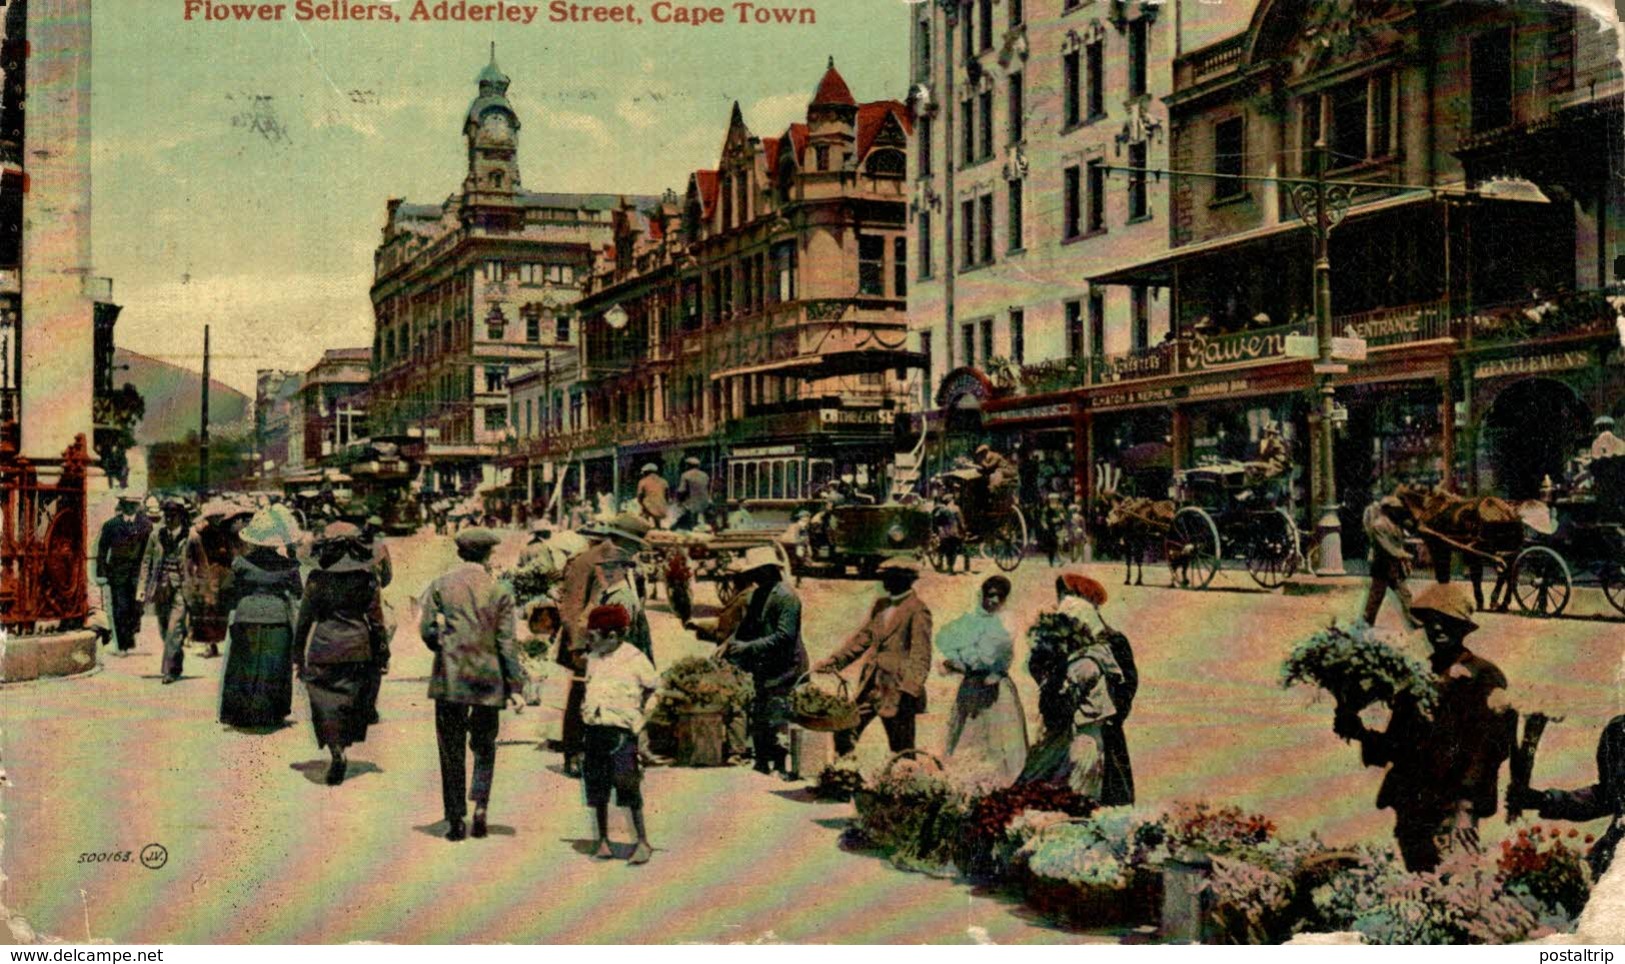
47 655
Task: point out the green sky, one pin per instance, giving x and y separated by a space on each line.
241 169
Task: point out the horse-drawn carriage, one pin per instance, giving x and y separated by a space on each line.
990 519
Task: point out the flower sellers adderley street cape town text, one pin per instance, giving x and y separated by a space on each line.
461 11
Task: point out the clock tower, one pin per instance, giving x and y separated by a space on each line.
491 190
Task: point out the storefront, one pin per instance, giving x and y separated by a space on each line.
1535 413
1042 434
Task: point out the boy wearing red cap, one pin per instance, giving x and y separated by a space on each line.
620 679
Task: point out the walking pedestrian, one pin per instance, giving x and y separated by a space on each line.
1603 800
372 536
987 723
693 496
1077 674
119 550
1051 523
767 644
652 491
468 622
161 582
206 573
256 685
1442 769
343 648
620 681
1390 559
896 637
949 523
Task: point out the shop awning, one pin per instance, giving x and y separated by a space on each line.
1159 271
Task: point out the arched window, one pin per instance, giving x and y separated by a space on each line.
496 178
886 164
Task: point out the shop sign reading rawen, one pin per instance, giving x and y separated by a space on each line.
1533 364
1217 351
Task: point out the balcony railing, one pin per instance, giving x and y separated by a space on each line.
1382 327
1568 313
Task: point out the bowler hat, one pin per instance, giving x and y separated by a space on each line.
376 522
477 538
1445 601
900 566
1603 421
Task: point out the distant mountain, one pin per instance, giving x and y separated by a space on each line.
174 398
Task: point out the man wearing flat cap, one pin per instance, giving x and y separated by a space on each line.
896 637
767 645
693 495
468 622
118 566
1442 770
652 491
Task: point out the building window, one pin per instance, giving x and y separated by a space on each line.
1074 329
1017 227
967 140
871 265
924 146
987 341
922 48
1017 12
899 267
1358 119
967 215
496 378
1228 150
1018 335
821 153
1491 67
986 228
1136 56
728 200
533 327
967 39
1070 224
494 272
561 329
925 371
1097 324
784 265
1096 56
496 418
985 102
1017 105
967 342
985 21
1140 307
1097 196
926 268
1072 103
1138 207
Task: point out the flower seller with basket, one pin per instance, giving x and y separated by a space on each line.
1442 769
896 637
1602 800
620 680
768 646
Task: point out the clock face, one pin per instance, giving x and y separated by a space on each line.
496 129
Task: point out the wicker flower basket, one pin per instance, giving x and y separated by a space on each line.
702 738
1086 907
842 713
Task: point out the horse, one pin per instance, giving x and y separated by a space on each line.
1491 526
1131 525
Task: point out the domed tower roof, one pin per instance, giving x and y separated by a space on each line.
832 90
493 93
492 79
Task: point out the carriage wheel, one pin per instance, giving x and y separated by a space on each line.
1009 543
1192 548
1611 575
1541 582
1272 550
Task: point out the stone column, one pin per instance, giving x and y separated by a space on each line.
58 326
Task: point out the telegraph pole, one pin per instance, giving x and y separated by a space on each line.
203 433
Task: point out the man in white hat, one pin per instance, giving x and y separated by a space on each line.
767 645
652 490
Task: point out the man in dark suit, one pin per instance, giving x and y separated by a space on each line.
119 551
468 621
768 646
897 639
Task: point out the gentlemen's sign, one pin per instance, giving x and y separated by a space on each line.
1533 364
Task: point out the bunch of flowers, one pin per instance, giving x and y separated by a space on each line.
1537 863
1464 902
821 709
839 779
1216 831
1101 850
988 846
913 813
700 684
530 583
1358 668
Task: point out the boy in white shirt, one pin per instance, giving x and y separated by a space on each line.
619 681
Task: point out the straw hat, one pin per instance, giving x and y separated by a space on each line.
265 529
1446 601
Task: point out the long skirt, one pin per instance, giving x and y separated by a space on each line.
1070 757
987 724
343 699
256 686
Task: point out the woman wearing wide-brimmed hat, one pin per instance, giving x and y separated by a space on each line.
342 648
206 572
256 687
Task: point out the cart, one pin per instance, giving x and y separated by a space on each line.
993 520
1225 510
1579 539
680 558
862 536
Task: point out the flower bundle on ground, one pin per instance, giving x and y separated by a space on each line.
987 847
1538 864
1464 902
1359 668
698 684
839 779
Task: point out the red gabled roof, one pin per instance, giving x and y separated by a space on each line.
872 116
832 90
770 151
657 229
707 181
798 139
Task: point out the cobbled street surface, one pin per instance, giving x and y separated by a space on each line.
260 850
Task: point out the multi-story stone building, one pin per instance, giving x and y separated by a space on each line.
758 322
1487 307
1023 109
469 289
329 413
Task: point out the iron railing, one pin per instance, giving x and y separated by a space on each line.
43 577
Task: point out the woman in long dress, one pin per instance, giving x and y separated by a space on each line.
256 686
343 650
987 722
1084 690
206 573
